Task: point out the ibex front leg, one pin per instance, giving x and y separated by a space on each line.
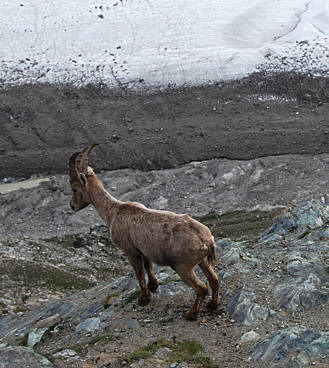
138 264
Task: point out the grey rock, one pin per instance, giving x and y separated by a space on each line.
232 256
250 336
293 224
89 325
49 321
163 353
67 353
303 267
224 243
35 336
242 308
21 357
301 294
132 324
280 344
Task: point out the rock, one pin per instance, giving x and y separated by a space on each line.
22 357
132 324
232 256
300 266
250 336
243 310
280 344
35 336
301 294
224 243
163 353
49 322
67 353
89 325
298 221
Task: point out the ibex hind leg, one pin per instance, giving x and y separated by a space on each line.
137 263
200 289
152 280
213 282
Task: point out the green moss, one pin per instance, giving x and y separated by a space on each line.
239 225
132 296
185 351
169 281
190 347
144 352
30 274
101 339
24 340
107 301
67 241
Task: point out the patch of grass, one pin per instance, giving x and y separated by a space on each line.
107 301
144 352
190 347
185 351
169 281
66 241
24 339
239 225
101 339
132 296
32 274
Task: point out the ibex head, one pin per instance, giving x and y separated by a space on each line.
79 171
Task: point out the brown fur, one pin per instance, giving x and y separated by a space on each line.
147 236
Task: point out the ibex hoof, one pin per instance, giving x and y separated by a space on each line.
212 305
143 300
191 316
152 286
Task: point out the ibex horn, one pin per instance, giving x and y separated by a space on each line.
83 164
73 172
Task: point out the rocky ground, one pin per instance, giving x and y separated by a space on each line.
68 297
275 293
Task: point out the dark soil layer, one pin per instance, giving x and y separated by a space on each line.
41 125
239 225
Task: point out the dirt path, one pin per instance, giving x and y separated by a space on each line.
258 116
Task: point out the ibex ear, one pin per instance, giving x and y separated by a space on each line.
83 179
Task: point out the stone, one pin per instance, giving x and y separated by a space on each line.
89 325
303 267
49 321
243 310
163 353
297 339
66 353
22 357
301 294
232 256
250 336
35 336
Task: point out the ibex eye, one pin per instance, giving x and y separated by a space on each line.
74 190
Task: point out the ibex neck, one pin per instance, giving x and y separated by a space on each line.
104 203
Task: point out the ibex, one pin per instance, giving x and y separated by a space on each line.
146 235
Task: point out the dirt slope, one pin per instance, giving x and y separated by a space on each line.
258 116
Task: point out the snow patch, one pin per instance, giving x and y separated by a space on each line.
158 42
